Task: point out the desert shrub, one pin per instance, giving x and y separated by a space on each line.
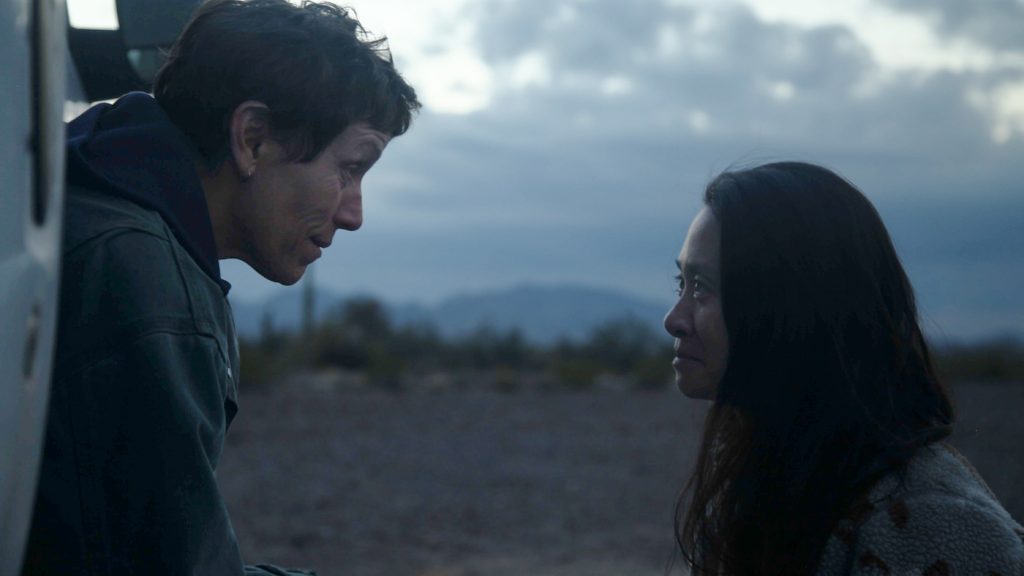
487 348
507 380
654 371
364 318
384 369
618 345
263 363
416 346
359 336
576 373
334 346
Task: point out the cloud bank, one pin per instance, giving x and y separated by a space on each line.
595 125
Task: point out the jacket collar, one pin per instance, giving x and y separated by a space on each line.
132 149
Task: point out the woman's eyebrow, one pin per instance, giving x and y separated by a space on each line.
363 152
696 269
371 148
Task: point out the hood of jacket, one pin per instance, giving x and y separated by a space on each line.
132 149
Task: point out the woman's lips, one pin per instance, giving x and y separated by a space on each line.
682 358
320 243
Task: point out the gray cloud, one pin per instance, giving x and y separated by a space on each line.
995 23
582 36
564 182
747 79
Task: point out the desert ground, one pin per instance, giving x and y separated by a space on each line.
462 483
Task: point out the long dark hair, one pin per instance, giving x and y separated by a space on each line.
829 381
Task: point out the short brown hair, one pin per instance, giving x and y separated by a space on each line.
312 64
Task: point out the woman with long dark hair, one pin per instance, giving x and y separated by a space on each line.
823 450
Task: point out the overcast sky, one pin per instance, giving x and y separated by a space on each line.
569 141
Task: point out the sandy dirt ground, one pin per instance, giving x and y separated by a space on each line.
486 483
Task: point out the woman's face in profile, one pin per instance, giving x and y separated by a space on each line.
696 320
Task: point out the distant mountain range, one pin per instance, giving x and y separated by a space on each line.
542 314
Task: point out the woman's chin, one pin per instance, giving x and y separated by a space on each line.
694 389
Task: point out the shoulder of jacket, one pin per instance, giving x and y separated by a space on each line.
936 516
948 526
938 532
90 216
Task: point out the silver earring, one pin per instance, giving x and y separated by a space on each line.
252 170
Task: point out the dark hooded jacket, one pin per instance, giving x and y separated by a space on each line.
145 374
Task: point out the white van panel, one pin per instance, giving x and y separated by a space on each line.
31 199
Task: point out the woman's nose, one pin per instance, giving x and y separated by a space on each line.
349 215
677 321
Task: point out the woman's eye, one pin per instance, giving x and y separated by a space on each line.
698 287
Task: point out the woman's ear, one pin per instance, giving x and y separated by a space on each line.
249 129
